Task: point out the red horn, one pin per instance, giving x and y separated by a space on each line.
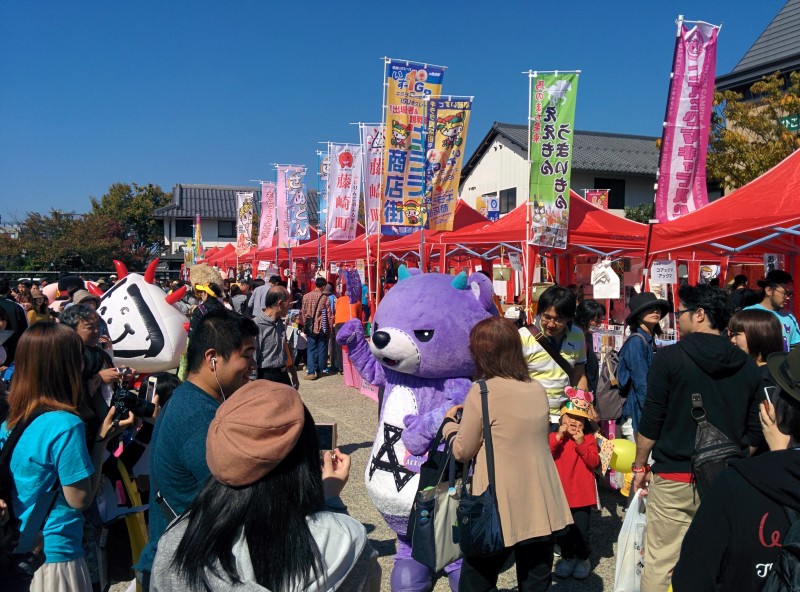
176 295
150 273
94 290
122 271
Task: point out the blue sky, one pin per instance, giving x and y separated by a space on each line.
167 92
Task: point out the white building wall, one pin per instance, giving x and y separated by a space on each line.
504 166
209 229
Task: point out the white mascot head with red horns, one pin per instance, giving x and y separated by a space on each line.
147 331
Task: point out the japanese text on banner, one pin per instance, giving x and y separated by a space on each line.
682 164
344 185
404 155
266 226
372 142
446 138
297 208
324 168
282 196
552 129
245 211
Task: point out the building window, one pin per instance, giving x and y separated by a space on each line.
184 228
616 192
508 200
226 229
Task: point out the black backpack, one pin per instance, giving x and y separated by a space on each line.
609 394
17 562
785 573
712 449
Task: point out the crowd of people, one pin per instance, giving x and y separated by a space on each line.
241 497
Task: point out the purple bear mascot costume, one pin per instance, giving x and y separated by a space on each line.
420 354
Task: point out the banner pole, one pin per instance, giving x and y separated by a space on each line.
364 167
528 279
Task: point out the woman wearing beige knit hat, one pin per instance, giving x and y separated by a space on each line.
264 521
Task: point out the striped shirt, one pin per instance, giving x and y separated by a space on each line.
545 370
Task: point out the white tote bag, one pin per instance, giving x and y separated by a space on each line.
630 547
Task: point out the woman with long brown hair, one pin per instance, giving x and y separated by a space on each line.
52 450
526 482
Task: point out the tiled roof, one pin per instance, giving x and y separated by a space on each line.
216 201
597 152
777 48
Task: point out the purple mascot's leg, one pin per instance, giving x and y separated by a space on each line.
409 575
453 572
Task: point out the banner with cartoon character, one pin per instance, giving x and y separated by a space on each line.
344 185
266 225
597 197
407 83
372 142
245 209
448 119
553 99
682 164
282 195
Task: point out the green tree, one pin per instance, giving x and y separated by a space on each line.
642 213
132 206
747 137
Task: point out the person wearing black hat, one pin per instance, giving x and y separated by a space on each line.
776 292
738 535
636 355
67 286
701 362
17 320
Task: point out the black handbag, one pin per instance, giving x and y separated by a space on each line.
480 533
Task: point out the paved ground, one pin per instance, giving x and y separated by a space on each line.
356 415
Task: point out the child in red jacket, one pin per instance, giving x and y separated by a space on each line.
576 456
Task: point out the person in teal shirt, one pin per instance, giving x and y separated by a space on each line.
52 449
776 294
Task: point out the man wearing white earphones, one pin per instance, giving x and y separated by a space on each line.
221 359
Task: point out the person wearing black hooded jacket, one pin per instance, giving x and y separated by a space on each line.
728 379
738 530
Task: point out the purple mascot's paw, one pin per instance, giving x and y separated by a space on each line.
352 329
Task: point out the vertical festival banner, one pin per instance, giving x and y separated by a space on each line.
245 209
448 119
597 197
407 83
199 252
282 197
188 254
297 203
553 101
344 184
322 190
684 143
372 143
266 225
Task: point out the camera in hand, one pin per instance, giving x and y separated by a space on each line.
125 401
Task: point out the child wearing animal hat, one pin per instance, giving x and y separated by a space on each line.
576 456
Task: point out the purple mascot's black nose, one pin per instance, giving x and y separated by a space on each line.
381 339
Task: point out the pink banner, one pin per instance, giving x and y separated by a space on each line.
682 165
597 197
282 195
266 226
344 184
372 139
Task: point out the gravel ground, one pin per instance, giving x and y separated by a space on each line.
356 415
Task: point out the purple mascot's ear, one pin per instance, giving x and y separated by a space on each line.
483 290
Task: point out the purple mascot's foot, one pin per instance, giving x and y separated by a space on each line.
453 577
410 576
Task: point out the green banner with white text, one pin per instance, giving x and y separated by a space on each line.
553 98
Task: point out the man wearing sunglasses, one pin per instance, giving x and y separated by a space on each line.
776 294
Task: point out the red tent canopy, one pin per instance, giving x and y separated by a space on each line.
746 219
588 226
357 248
309 249
221 253
464 216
